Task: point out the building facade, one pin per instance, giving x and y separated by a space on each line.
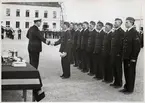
22 14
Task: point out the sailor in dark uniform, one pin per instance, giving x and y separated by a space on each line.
131 49
98 51
84 42
65 50
90 47
108 73
75 37
116 53
34 48
79 54
72 32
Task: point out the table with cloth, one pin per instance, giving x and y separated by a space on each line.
20 78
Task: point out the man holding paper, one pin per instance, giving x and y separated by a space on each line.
65 50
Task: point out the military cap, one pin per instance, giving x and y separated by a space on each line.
37 20
131 19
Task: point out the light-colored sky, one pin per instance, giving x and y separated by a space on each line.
104 10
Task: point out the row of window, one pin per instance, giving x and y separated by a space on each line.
27 13
26 24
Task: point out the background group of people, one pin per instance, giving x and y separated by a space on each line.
9 32
101 50
94 48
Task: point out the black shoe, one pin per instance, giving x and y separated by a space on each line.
112 84
94 77
127 92
108 81
123 90
61 75
117 86
99 78
84 71
65 77
75 65
103 81
90 74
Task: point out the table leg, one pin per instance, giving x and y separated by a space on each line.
33 98
25 95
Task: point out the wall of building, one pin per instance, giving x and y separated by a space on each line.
22 19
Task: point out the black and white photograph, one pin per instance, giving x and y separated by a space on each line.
72 50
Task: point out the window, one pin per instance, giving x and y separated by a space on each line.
7 12
7 23
54 14
18 13
36 14
26 24
45 14
27 13
54 25
17 24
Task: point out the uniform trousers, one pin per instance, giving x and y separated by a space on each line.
97 65
84 60
90 63
129 72
34 58
116 64
65 62
108 71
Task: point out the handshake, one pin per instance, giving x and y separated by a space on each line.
49 43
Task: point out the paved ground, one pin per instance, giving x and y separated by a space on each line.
80 87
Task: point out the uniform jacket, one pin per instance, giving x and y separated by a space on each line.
91 41
131 44
84 39
65 42
35 37
79 39
107 43
99 41
117 42
75 38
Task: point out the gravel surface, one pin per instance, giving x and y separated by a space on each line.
80 87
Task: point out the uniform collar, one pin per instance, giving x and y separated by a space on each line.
81 30
85 29
99 30
66 30
130 28
92 29
117 28
109 31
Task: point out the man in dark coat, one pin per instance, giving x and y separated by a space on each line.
34 48
72 32
108 73
65 50
98 51
84 41
131 49
75 37
90 47
78 48
141 35
116 53
2 32
19 33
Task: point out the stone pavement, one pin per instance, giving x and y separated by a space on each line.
80 87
